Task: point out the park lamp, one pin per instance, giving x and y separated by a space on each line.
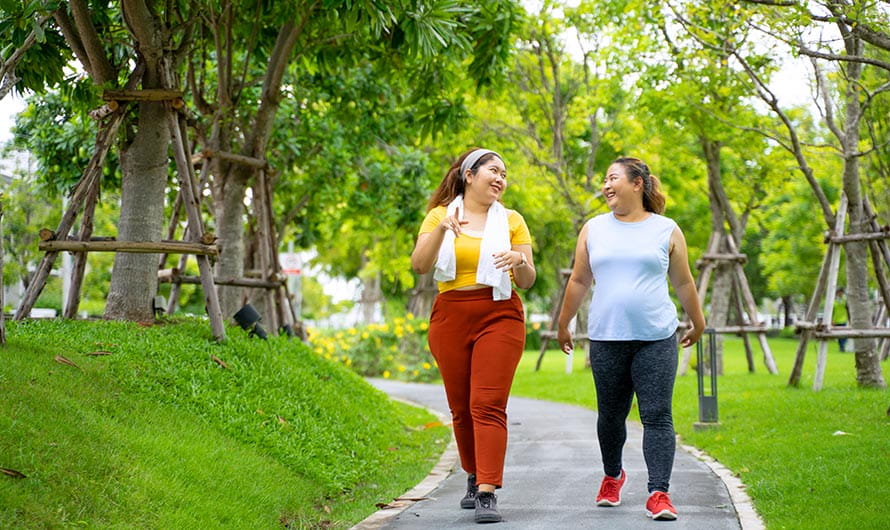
707 402
158 306
249 319
287 330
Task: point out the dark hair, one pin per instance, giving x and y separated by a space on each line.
653 199
454 183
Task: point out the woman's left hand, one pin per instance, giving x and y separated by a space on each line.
507 259
691 337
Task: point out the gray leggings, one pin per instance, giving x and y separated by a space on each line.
647 368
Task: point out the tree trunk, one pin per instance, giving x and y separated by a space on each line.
144 164
420 304
371 296
230 230
788 309
721 284
868 365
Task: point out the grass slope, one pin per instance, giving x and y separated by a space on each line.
159 435
809 459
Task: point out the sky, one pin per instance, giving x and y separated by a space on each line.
9 107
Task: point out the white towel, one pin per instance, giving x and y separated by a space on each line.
495 238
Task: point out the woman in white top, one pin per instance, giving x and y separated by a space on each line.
629 253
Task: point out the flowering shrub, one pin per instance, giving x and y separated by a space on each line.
533 335
393 350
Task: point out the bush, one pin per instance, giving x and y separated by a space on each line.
533 335
393 350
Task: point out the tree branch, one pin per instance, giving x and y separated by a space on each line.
98 66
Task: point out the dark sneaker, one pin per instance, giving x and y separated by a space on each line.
487 507
610 490
469 500
659 507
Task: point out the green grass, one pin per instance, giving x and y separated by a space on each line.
159 435
781 441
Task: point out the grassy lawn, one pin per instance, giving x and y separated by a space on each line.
809 459
158 434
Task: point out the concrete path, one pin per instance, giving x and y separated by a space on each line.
552 473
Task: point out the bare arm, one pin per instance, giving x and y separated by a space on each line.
684 287
578 285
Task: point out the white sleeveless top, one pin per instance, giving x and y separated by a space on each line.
630 294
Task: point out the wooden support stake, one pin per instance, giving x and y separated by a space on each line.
80 259
93 173
238 282
740 308
193 211
830 291
135 247
146 94
848 238
748 298
236 158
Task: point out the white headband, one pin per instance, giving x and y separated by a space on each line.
472 158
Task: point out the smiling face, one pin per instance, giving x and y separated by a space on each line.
490 180
622 195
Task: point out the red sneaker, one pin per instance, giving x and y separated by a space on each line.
659 507
610 490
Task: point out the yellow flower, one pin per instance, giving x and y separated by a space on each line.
536 326
427 366
352 331
348 362
424 326
402 368
394 348
415 373
410 316
386 374
365 335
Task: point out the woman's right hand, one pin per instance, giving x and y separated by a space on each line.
564 338
453 223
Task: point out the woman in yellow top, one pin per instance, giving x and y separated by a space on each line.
477 326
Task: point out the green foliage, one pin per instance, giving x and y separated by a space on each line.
393 350
802 454
55 129
533 335
44 62
25 212
166 429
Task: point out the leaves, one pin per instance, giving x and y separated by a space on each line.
64 360
219 361
12 473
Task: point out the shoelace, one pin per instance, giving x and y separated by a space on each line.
610 488
662 502
485 500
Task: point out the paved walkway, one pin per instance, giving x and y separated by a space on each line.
551 475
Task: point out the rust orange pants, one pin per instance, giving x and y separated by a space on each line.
477 344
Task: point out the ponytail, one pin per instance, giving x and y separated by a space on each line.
653 198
